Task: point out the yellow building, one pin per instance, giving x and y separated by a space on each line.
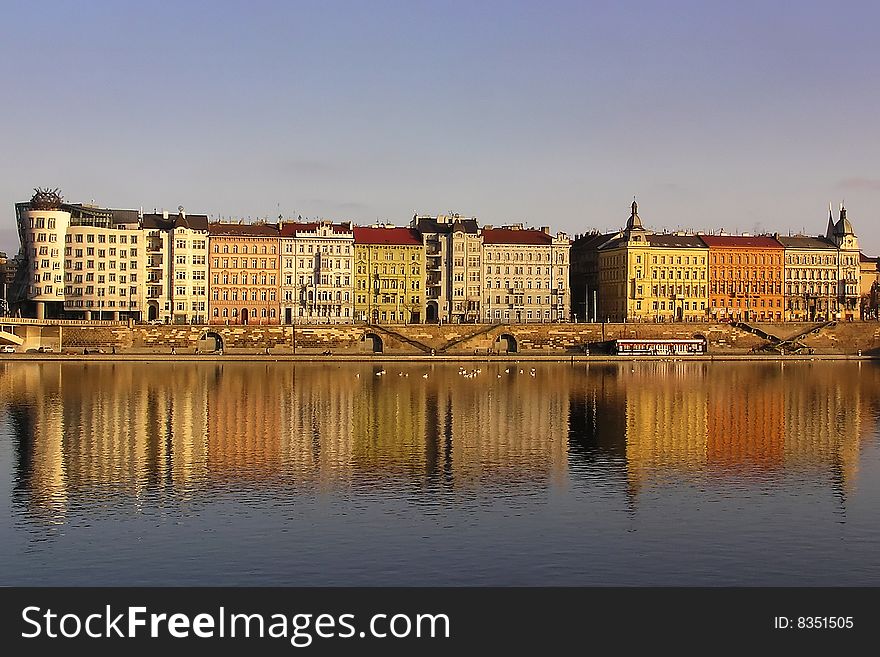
389 275
652 277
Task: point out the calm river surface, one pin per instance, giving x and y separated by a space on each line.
655 473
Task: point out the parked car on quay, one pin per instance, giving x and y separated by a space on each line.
7 349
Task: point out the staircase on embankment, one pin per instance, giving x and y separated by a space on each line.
464 338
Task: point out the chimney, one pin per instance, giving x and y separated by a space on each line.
546 229
164 213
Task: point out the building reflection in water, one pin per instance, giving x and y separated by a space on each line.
97 433
749 420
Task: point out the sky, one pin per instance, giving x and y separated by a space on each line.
746 116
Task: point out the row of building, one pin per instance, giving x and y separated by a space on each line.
638 275
83 261
87 262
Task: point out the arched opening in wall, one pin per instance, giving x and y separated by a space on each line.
505 343
211 341
244 315
152 311
373 342
432 312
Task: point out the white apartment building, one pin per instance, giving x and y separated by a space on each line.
317 276
176 267
82 260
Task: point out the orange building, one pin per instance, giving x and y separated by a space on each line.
745 277
245 274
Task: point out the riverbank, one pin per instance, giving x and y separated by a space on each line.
383 358
459 341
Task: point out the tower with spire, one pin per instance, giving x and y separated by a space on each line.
829 232
847 243
635 232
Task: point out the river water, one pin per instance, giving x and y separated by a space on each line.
651 473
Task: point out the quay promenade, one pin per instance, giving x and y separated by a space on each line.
562 341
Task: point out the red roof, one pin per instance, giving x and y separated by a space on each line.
290 228
741 242
396 235
516 236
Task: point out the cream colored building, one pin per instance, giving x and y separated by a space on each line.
811 268
317 273
453 252
525 274
176 267
844 237
82 260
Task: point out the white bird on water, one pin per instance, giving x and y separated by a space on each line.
380 372
425 375
358 375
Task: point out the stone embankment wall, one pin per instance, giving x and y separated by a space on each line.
458 339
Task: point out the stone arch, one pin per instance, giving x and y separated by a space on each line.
374 343
506 343
152 311
211 341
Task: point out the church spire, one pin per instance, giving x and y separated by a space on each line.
829 232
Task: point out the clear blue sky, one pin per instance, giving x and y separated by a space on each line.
742 116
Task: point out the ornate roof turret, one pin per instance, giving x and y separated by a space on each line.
634 222
843 227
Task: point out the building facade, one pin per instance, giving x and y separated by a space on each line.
652 277
584 275
453 249
810 278
844 237
176 267
526 274
82 261
745 278
244 273
869 287
317 273
679 271
389 276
